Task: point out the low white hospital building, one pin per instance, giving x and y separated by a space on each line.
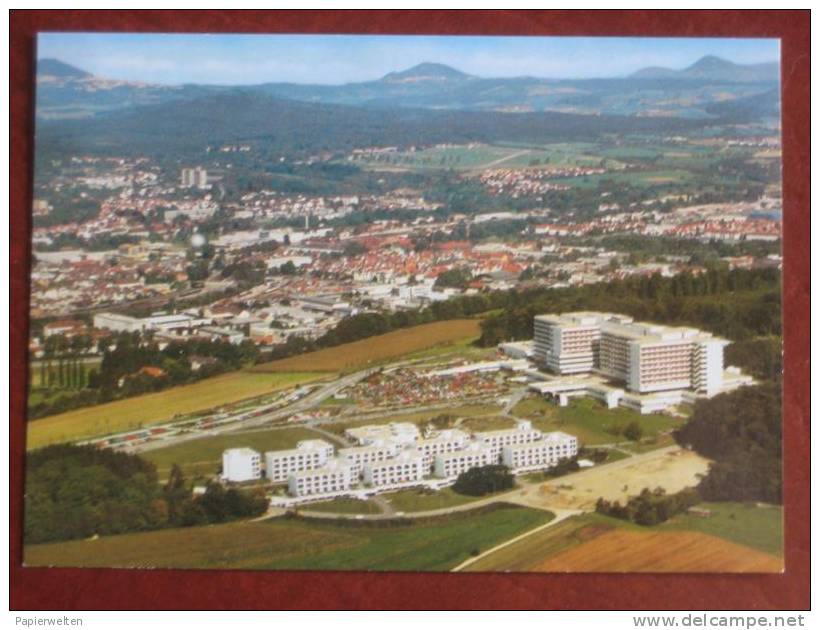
307 455
539 455
359 456
474 455
241 464
336 477
406 469
523 433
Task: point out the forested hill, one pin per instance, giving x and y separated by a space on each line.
298 127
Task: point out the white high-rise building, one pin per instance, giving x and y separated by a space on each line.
644 357
194 177
241 464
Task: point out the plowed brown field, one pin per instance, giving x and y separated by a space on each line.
667 552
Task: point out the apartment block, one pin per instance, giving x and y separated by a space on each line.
544 453
241 464
308 455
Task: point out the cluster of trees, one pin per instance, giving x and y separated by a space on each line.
81 491
650 507
761 357
68 209
119 376
457 278
739 304
484 480
742 433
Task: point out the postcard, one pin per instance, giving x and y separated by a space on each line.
406 303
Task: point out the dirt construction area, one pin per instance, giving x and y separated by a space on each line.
670 468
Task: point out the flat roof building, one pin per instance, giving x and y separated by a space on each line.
474 455
445 441
644 357
307 455
407 468
398 432
360 456
335 478
241 464
523 433
544 453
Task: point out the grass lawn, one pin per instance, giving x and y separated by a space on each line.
430 545
372 351
205 453
343 506
747 524
591 421
418 500
148 409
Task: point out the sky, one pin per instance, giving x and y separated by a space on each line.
335 59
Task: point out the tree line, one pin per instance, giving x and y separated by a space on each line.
650 507
742 433
81 491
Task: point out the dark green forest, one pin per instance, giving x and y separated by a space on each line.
742 432
81 491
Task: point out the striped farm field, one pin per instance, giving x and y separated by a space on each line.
373 350
629 551
148 409
734 538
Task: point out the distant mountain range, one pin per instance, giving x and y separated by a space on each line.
712 68
67 92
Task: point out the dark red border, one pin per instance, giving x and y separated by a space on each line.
37 589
